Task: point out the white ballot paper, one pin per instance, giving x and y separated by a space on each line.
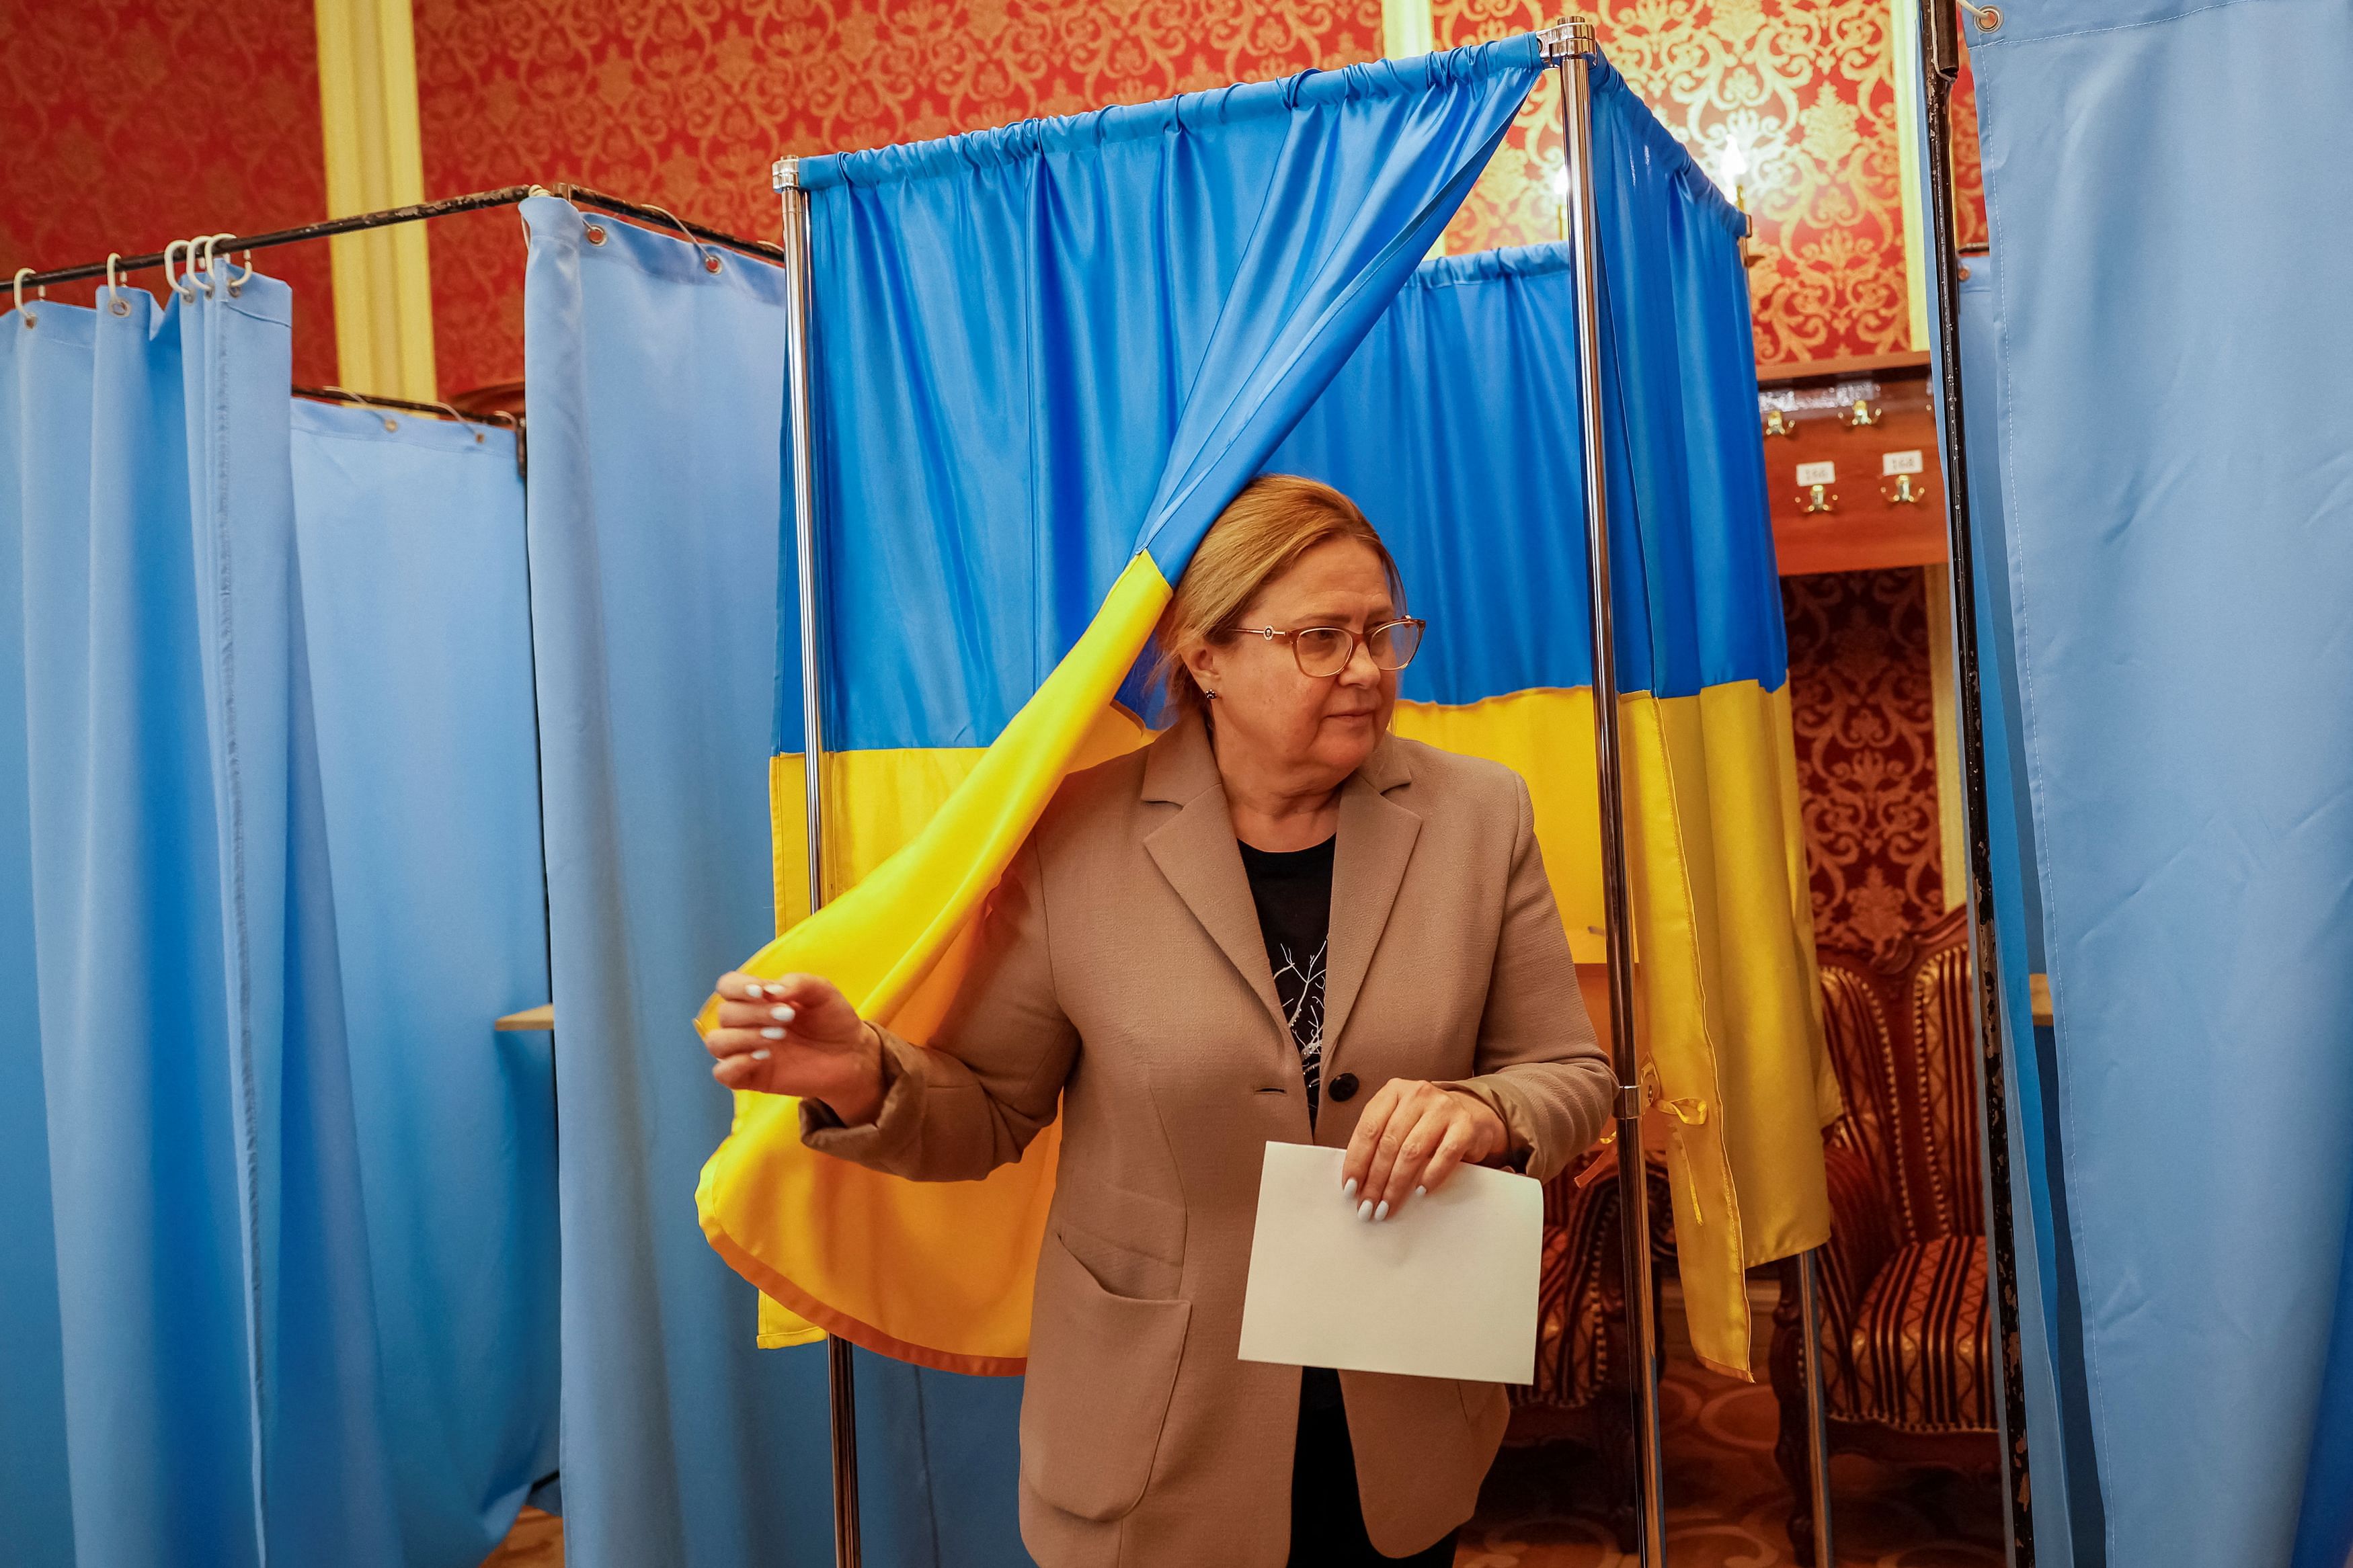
1445 1286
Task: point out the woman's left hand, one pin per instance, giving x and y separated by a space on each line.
1411 1136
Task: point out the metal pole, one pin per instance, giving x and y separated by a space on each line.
1818 1425
841 1386
1939 64
1568 46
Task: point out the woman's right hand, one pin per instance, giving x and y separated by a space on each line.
797 1035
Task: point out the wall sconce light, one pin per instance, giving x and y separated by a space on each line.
1731 166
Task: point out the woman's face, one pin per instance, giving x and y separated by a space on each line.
1269 712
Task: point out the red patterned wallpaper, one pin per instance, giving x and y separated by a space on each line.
1802 89
131 125
1866 751
687 104
1968 176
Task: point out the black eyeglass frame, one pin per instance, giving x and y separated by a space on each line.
1354 640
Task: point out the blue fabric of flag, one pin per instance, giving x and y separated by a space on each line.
2177 419
1083 391
215 1319
411 542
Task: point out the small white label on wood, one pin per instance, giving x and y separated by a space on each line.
1818 473
1901 462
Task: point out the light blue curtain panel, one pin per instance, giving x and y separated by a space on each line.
215 1315
2176 412
415 584
2058 1426
656 428
35 1513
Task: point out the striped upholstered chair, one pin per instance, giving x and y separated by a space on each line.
1910 1375
1584 1384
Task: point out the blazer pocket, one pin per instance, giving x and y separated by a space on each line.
1103 1369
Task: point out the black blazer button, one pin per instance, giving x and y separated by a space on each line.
1343 1088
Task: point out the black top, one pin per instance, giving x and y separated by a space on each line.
1292 890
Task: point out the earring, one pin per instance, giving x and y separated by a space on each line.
1209 693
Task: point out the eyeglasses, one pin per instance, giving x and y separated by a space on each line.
1324 651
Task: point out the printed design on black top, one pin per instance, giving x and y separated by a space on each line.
1301 987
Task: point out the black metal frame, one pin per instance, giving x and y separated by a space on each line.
504 196
1940 64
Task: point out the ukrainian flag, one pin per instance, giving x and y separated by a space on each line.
1455 424
1028 340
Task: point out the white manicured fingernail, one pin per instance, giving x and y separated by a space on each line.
1382 1212
1364 1209
754 992
781 1014
1348 1189
759 1056
1421 1192
772 1033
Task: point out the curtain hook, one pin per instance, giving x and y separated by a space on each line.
180 285
237 282
389 422
29 319
710 255
463 423
116 302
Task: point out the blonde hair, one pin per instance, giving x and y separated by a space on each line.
1277 519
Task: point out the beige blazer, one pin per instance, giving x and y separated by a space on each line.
1122 977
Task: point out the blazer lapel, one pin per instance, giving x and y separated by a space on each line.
1195 851
1376 839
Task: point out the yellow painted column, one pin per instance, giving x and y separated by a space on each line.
1406 28
367 104
1904 60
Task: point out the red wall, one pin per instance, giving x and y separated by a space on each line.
687 107
130 125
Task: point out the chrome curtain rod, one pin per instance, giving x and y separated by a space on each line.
504 196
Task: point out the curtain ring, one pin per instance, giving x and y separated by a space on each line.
463 423
710 255
116 302
180 285
237 282
596 234
205 265
1987 17
29 319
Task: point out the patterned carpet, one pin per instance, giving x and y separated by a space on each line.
1726 1502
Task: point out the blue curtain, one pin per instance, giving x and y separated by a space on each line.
656 420
2067 1527
2175 419
411 540
278 1205
216 1324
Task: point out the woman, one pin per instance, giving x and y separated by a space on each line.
1278 922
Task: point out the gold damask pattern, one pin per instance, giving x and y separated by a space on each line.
1968 176
686 104
132 125
1800 90
1863 714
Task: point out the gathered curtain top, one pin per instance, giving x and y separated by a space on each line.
1659 144
1030 139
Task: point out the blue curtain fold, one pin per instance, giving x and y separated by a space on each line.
656 428
274 1294
2175 420
215 1322
2067 1526
1029 367
413 573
